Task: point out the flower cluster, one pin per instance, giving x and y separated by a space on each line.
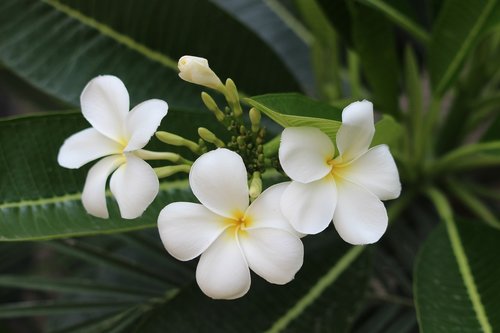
236 227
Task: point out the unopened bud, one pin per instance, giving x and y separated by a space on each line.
212 106
208 136
233 98
255 186
176 140
169 170
255 116
197 71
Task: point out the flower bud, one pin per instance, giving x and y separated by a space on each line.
208 136
196 70
255 119
212 106
233 98
255 186
176 140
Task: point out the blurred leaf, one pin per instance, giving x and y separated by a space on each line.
375 43
325 294
400 18
116 322
456 31
387 131
457 279
59 45
51 308
41 200
338 14
325 50
72 286
276 26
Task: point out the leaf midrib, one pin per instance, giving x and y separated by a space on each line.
165 186
317 289
120 38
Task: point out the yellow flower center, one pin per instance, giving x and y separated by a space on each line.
238 223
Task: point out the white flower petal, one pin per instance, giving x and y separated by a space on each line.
219 180
265 211
304 153
187 229
360 217
134 185
376 171
143 121
310 207
276 255
86 146
357 130
94 191
105 104
222 271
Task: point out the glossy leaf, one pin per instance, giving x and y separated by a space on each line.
58 46
290 110
297 110
456 31
41 200
457 279
324 294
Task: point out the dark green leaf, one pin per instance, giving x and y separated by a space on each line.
75 286
59 46
50 308
375 43
324 294
298 110
41 200
457 30
457 279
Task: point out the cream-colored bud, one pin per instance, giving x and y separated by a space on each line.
255 186
197 71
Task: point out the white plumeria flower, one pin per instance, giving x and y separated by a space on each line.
196 70
230 234
117 134
347 188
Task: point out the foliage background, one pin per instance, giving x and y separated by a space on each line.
433 66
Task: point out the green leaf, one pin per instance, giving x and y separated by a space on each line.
457 30
297 110
290 110
374 42
41 200
73 286
59 45
400 18
457 280
324 294
387 131
51 308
